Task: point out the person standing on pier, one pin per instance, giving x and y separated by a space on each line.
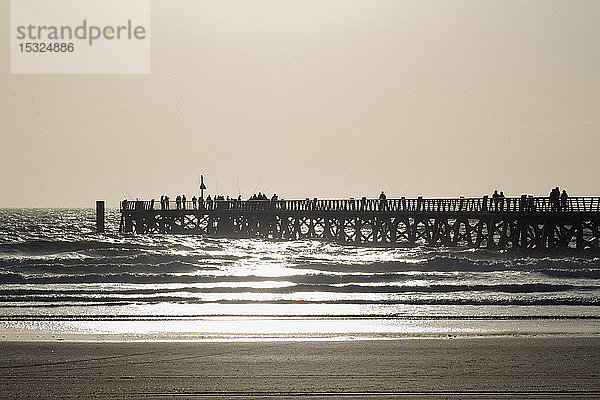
495 199
194 202
555 199
564 198
382 201
183 201
178 201
273 201
501 200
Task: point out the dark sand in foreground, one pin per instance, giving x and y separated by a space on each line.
465 368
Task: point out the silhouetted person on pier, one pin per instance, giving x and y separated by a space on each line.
166 202
555 199
209 202
382 201
183 201
501 200
194 202
178 202
564 198
495 199
162 202
531 203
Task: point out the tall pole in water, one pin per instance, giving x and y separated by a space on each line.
202 186
100 216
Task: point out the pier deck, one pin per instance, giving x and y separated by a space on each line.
521 222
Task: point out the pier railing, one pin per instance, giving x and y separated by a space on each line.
420 204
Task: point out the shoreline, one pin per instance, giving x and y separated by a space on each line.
166 338
236 329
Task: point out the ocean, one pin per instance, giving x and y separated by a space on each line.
60 279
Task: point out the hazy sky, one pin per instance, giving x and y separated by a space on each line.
318 98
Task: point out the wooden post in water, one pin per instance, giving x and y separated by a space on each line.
100 216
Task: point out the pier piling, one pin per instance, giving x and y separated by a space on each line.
100 216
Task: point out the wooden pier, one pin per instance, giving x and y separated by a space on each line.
524 222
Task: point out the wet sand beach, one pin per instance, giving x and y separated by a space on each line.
550 367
